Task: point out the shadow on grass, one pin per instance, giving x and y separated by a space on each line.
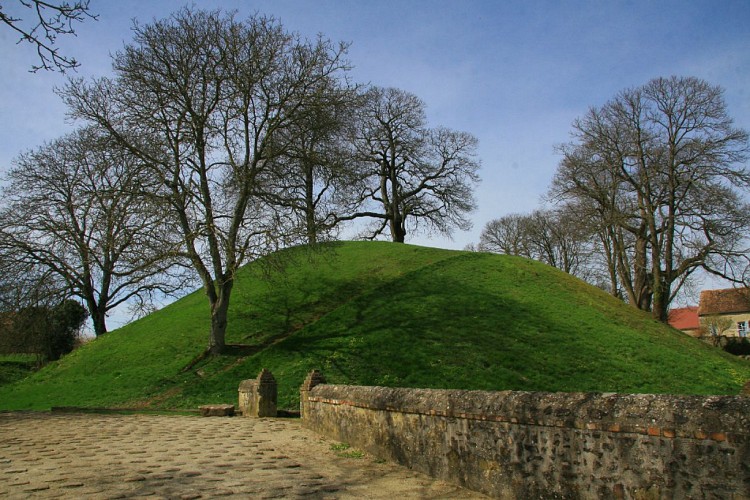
435 328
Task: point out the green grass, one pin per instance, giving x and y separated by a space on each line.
344 450
378 313
15 367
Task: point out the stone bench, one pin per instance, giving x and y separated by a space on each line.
217 410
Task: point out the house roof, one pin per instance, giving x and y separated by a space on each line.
684 318
726 301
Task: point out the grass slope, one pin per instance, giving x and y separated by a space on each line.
15 367
378 313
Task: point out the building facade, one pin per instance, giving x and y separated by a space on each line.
725 312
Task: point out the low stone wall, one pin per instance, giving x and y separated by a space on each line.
547 445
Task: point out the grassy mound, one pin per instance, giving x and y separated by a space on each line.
378 313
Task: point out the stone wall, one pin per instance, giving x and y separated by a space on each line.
547 445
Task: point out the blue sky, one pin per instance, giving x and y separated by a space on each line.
513 73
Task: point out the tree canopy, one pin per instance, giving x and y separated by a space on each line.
217 141
659 171
46 330
651 189
208 103
73 210
413 177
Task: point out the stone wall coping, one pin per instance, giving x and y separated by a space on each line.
718 418
247 385
313 379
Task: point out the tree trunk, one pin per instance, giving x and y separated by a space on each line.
98 316
310 222
606 240
312 230
642 284
660 306
100 322
216 342
398 231
398 234
660 309
219 310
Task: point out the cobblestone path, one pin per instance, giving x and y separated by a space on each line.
47 455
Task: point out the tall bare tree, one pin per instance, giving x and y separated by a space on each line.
609 208
48 21
660 167
314 175
203 99
72 214
558 238
415 177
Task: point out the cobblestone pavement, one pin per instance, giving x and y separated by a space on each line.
49 455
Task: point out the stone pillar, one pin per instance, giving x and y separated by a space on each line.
313 378
258 397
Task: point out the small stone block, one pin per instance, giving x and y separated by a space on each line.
614 428
654 431
701 435
668 433
217 410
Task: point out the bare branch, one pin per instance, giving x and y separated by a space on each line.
50 20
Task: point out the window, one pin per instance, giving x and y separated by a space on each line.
742 328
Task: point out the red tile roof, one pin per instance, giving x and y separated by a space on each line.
684 318
726 301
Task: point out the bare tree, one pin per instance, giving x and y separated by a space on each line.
659 167
414 177
71 211
314 174
203 99
559 238
715 325
506 235
610 209
555 237
26 285
50 20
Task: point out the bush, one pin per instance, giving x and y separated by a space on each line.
739 346
49 333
